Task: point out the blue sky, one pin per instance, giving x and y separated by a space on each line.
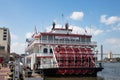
102 17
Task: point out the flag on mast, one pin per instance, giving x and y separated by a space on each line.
62 20
35 30
85 31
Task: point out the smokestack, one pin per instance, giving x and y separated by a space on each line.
53 25
66 26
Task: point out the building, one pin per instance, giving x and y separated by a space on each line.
110 55
4 43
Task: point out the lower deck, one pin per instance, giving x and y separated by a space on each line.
70 71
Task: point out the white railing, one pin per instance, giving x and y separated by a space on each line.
67 42
64 42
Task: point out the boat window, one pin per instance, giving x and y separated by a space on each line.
50 38
88 40
83 39
51 51
45 50
44 37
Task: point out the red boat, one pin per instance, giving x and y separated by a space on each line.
61 52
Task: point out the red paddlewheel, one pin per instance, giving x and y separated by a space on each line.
71 58
92 64
70 72
84 71
57 49
61 72
77 72
85 64
67 71
62 49
78 57
80 71
76 50
78 64
58 58
72 64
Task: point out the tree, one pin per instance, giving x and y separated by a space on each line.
118 59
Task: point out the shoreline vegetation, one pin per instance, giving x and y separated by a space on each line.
117 59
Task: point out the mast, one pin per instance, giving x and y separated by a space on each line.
35 30
101 52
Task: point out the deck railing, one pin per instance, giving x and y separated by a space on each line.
63 42
66 42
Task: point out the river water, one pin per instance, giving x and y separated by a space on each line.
111 71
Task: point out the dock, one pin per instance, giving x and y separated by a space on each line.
5 73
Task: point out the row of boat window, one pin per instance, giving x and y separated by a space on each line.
72 39
46 50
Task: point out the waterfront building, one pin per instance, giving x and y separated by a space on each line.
4 43
110 55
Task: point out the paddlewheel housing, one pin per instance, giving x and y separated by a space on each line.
74 57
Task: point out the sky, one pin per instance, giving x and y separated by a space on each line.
100 18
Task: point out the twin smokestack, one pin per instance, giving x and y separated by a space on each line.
66 26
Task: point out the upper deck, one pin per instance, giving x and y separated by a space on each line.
61 36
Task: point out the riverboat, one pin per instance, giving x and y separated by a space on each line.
62 53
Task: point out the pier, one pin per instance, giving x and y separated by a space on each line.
18 72
12 74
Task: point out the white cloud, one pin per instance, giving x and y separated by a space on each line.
87 30
77 15
94 31
114 44
116 27
97 31
28 35
77 29
14 37
113 41
109 20
18 48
